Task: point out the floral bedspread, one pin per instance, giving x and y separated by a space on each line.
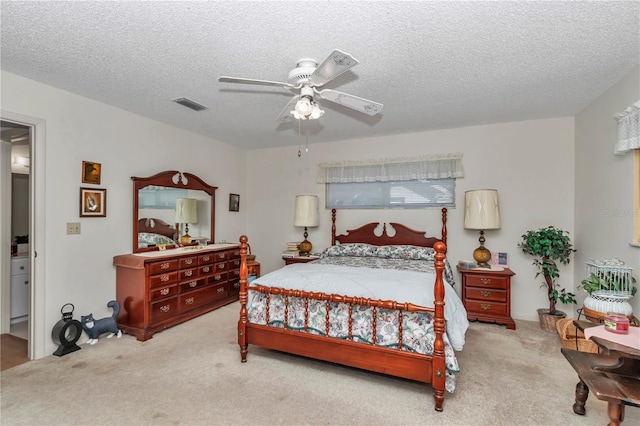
417 327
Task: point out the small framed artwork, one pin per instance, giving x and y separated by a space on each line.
91 172
500 259
234 202
93 202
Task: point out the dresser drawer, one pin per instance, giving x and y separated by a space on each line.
164 279
493 308
205 270
205 259
220 267
234 287
192 285
234 264
188 274
487 281
482 294
235 254
235 274
188 262
164 291
163 266
163 310
20 266
217 278
198 298
220 256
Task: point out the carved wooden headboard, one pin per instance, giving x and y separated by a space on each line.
403 234
156 226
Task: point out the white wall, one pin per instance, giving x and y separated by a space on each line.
530 163
78 268
604 183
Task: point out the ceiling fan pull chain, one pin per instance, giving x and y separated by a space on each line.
299 137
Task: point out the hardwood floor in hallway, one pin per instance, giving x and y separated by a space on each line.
13 351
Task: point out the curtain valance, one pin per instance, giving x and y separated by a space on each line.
392 169
628 129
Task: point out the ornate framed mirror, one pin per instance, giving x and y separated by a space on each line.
158 206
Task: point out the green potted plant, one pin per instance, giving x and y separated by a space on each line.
549 246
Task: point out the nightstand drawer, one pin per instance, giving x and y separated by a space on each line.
487 281
482 294
494 308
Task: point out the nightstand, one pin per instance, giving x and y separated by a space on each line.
299 259
253 268
486 295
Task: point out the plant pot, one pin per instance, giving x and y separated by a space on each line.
548 322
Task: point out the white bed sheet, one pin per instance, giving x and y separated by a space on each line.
398 285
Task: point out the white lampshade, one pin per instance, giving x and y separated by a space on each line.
186 210
481 209
306 211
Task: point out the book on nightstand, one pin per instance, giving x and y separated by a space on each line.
289 254
293 246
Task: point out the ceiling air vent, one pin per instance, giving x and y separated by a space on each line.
190 104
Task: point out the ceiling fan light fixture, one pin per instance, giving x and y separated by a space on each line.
303 106
316 112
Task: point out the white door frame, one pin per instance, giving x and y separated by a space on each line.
37 233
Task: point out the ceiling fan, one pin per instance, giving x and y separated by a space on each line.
305 79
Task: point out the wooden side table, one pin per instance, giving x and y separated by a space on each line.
253 268
486 295
299 259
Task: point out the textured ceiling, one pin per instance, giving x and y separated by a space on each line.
433 65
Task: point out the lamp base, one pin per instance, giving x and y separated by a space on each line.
482 256
185 239
305 247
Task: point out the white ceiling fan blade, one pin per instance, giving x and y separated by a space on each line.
351 101
285 115
225 79
337 63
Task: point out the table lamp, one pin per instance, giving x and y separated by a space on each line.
186 212
306 215
481 212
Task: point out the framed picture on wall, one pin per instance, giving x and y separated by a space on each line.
93 202
234 202
91 172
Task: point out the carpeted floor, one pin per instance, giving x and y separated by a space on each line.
191 374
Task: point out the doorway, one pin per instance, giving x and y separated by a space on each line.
16 210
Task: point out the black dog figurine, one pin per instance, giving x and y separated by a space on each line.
95 328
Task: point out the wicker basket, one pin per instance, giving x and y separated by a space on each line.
595 316
572 338
250 256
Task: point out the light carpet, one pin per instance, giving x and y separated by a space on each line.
191 374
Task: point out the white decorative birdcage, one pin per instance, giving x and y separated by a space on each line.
612 286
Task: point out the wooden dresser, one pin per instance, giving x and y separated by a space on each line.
486 295
157 290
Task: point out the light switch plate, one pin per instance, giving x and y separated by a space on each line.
73 228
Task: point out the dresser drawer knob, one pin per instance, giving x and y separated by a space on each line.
165 308
164 291
164 278
188 273
205 269
188 261
485 280
221 266
485 306
485 293
221 255
236 285
236 272
205 259
217 277
220 290
193 284
189 301
164 265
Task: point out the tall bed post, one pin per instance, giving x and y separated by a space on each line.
444 225
242 322
333 227
438 366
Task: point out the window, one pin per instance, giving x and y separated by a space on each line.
636 201
408 194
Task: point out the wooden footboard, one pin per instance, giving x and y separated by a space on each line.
391 361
